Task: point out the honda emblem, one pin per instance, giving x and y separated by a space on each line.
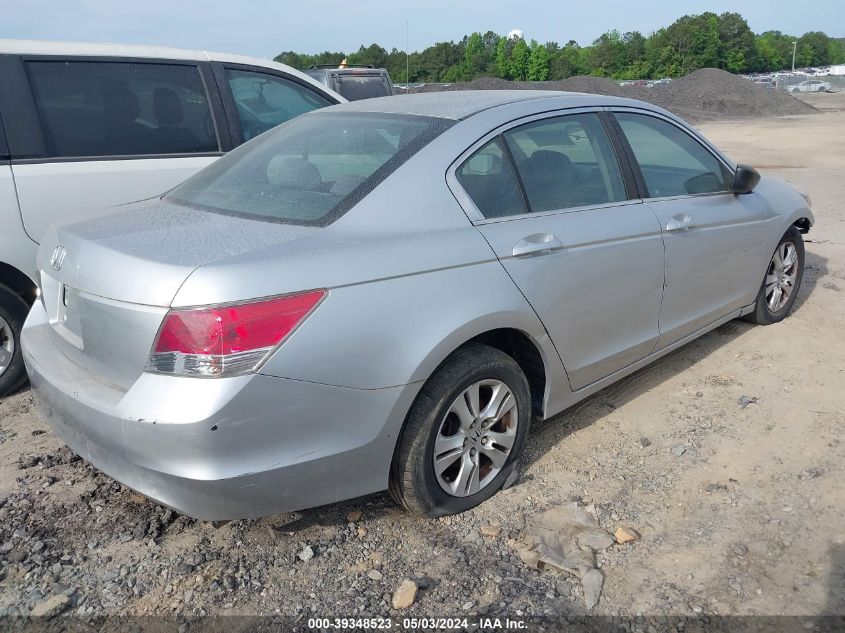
58 257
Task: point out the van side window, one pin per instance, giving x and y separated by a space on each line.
264 100
4 148
94 108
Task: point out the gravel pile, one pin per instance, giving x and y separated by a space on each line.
705 94
593 85
713 93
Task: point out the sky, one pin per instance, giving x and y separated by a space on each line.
264 28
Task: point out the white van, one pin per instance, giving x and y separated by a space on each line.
90 126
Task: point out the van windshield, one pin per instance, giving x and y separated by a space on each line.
310 170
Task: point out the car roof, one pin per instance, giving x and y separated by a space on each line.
85 49
461 104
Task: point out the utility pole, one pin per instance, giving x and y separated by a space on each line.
408 56
794 46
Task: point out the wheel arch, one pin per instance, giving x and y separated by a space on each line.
518 337
18 282
519 346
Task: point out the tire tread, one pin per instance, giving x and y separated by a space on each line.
407 486
14 310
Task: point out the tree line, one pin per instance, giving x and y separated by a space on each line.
691 42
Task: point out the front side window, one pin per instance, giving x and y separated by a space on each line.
264 101
566 162
96 108
310 170
672 162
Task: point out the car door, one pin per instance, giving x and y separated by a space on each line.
97 132
550 197
714 240
258 99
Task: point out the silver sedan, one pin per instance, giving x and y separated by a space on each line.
388 293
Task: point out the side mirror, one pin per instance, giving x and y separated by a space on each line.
745 179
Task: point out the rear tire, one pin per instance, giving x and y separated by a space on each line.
442 426
770 308
13 311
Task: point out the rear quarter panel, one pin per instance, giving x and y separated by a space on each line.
397 331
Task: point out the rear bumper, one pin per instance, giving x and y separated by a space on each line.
218 449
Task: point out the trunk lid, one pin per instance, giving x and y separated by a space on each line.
107 282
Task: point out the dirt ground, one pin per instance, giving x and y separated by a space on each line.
740 508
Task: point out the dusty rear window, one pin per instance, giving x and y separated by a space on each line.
310 170
358 86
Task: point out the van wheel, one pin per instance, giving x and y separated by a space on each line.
782 280
13 312
463 434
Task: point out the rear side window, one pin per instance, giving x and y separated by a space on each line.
264 101
671 161
566 162
310 170
121 109
488 178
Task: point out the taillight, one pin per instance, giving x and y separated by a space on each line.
227 340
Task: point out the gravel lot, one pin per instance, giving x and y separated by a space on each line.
727 457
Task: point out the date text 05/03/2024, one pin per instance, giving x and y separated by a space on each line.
410 624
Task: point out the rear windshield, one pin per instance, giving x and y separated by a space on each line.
355 87
310 170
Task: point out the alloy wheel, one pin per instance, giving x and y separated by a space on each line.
7 345
475 438
781 276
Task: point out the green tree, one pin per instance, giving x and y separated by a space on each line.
475 63
608 55
520 59
635 45
836 51
691 42
662 57
774 50
565 61
435 61
373 55
503 58
302 62
815 45
396 64
538 62
738 51
490 41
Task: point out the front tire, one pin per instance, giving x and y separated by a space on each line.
782 280
463 434
13 311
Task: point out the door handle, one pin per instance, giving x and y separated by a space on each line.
680 222
536 244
